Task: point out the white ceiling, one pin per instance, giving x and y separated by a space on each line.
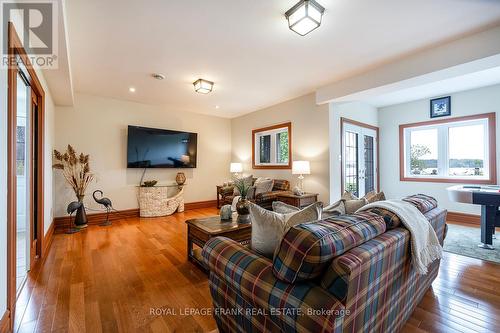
460 83
246 46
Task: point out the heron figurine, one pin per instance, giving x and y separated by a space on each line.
106 203
73 207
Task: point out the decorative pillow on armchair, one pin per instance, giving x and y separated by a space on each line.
263 185
269 227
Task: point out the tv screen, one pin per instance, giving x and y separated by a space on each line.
158 148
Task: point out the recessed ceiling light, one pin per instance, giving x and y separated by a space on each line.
305 16
217 107
131 89
203 86
159 76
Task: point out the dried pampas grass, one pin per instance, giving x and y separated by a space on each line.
75 169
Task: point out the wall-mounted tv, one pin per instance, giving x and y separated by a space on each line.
159 148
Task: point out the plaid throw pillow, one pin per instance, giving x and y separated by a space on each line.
391 220
424 203
281 185
308 248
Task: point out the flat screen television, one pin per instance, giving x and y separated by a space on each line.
159 148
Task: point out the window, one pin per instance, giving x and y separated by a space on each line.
272 147
20 149
452 150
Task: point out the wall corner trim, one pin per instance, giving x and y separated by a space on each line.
47 240
61 224
5 323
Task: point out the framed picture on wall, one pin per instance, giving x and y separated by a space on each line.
441 107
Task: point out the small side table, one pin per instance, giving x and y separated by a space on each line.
219 194
201 230
154 201
299 201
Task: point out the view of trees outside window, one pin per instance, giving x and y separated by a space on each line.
273 147
466 151
424 152
282 149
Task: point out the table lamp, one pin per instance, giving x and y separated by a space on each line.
236 168
301 168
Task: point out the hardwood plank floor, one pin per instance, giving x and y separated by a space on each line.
110 279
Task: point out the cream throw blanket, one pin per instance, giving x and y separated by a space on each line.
425 247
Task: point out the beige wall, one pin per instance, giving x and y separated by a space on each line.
477 101
309 140
49 146
98 126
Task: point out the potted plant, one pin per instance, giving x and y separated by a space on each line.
76 170
242 204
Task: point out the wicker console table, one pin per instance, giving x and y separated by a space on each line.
154 201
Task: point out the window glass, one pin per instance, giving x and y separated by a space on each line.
265 149
282 147
424 152
351 163
466 151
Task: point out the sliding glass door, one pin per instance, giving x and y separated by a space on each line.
359 162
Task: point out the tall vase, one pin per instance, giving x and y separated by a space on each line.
81 220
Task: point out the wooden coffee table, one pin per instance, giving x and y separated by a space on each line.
202 229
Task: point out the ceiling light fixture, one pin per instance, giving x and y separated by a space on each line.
203 86
305 16
159 76
131 89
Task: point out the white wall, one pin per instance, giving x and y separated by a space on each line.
98 126
354 111
309 140
483 100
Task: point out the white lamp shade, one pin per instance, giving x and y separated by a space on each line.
301 168
236 167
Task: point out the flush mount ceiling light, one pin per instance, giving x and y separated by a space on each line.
305 16
203 86
159 76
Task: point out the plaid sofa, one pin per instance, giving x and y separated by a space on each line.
264 200
367 286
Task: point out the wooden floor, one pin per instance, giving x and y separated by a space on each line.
110 279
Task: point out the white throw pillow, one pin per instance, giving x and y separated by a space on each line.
283 208
263 185
269 227
337 208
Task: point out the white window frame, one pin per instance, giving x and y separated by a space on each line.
274 147
443 127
